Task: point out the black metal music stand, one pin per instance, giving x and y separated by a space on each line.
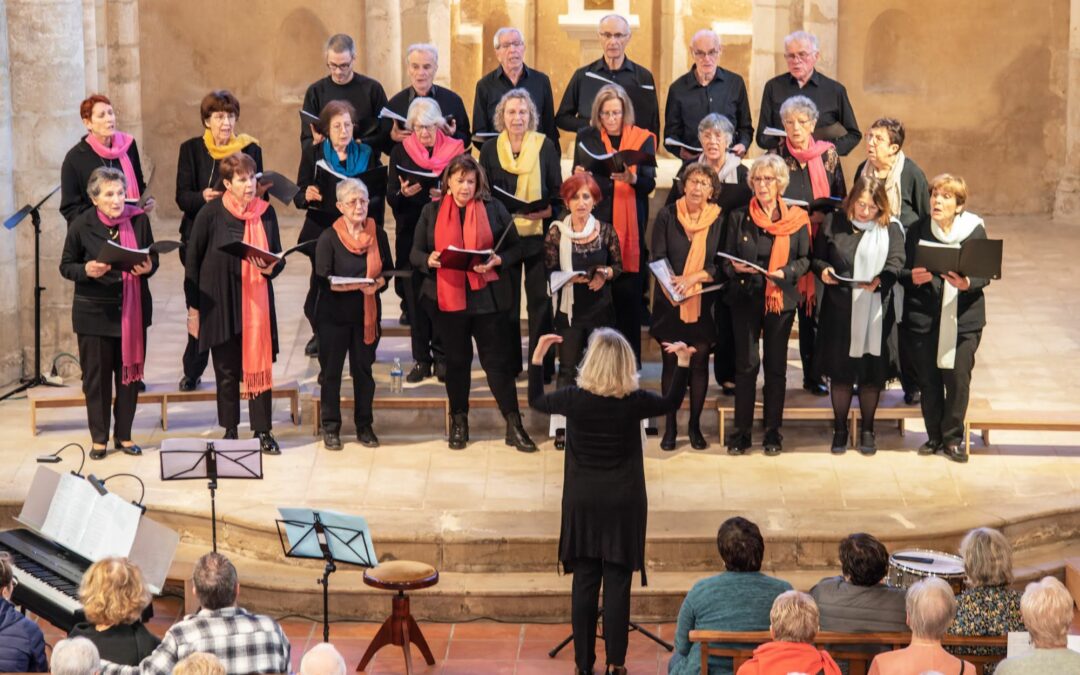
329 536
634 627
195 458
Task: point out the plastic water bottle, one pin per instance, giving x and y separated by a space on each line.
395 377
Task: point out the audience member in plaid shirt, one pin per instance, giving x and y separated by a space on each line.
244 642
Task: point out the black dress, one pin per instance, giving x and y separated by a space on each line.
835 247
75 172
670 241
124 644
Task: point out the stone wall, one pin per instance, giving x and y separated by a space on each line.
10 356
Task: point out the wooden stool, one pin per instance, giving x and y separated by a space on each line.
400 627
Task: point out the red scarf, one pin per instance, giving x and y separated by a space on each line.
132 348
118 150
811 157
367 243
446 148
475 234
256 332
791 221
624 215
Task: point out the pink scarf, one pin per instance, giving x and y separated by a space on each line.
446 148
811 157
131 317
118 150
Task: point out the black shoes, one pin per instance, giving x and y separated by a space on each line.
99 453
312 347
267 444
419 373
815 388
188 384
727 388
366 436
932 446
839 441
667 443
230 434
773 444
459 430
697 439
912 397
404 319
956 452
132 449
140 386
738 443
560 439
516 435
867 443
331 440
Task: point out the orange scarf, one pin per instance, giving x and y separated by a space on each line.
624 215
475 235
366 243
257 335
698 232
791 220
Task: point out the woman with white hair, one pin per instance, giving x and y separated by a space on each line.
931 608
1047 608
604 503
75 656
793 624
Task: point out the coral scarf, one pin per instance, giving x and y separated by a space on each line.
445 149
256 335
133 351
697 229
474 234
811 157
365 244
526 166
791 221
624 215
118 150
235 144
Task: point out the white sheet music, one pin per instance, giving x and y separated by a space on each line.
92 525
69 511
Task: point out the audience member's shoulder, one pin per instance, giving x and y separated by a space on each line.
826 585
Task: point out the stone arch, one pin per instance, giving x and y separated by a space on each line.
893 53
294 59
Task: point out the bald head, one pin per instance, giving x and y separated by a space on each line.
322 659
614 32
705 48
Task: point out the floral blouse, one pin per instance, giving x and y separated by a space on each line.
986 610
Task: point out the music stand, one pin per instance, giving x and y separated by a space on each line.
195 458
633 627
325 535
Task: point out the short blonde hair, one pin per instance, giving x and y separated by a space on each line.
779 169
987 557
518 94
607 93
609 367
931 608
794 617
113 592
425 112
952 184
1047 610
199 663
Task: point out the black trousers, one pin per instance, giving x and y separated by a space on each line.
102 364
626 292
909 379
750 321
425 343
500 357
229 372
945 392
585 592
575 339
807 338
724 349
194 361
335 341
403 241
537 301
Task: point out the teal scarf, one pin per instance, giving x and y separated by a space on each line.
356 159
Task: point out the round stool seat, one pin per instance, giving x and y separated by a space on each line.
401 575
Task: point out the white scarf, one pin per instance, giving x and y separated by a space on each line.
727 172
963 225
566 260
892 182
866 309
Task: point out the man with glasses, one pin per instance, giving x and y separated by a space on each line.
707 88
512 74
422 64
612 68
836 120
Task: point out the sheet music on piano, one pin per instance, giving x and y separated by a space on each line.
94 526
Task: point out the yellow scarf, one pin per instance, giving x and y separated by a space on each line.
698 232
235 144
526 166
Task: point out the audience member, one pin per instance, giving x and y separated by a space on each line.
199 663
322 659
22 646
114 595
75 656
793 624
931 607
858 602
1047 609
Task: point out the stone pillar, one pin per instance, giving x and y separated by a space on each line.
1067 199
94 48
522 15
427 21
772 21
10 353
125 72
383 56
820 19
45 39
674 61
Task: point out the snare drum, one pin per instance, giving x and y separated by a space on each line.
907 567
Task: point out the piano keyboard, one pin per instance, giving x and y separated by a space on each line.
48 577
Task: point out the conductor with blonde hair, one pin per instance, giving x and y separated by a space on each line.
604 504
114 594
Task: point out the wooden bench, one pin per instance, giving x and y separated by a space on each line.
858 661
394 402
801 414
288 390
1017 420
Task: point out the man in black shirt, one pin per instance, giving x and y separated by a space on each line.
613 67
344 84
706 89
836 120
422 63
511 74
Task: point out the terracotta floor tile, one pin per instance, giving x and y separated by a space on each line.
547 631
478 667
487 630
495 650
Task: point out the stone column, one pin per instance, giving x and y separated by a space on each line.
674 61
427 21
94 47
1067 199
45 39
382 54
820 19
772 21
10 354
125 72
522 15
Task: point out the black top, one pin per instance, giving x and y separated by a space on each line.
748 241
832 103
914 193
365 94
799 186
688 102
449 102
646 175
75 172
96 307
591 308
922 304
333 259
196 170
604 502
214 286
491 88
497 295
731 197
124 644
575 110
318 218
550 173
670 241
406 209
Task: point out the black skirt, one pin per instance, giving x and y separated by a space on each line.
833 344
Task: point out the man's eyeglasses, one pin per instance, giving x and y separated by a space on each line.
516 44
339 66
799 56
712 53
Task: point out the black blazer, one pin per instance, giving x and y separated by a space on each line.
835 247
75 172
196 170
747 241
96 307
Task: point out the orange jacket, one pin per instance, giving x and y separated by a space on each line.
782 658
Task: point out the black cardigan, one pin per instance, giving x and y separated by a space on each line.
75 172
124 644
646 176
96 307
799 185
914 193
196 170
747 241
550 174
333 259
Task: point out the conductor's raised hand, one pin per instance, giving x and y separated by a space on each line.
682 352
543 344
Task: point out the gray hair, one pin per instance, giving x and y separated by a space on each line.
425 112
341 43
322 659
620 17
518 94
802 36
215 581
351 186
796 105
75 656
503 31
423 47
102 175
716 122
987 557
779 169
931 608
705 32
1047 609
